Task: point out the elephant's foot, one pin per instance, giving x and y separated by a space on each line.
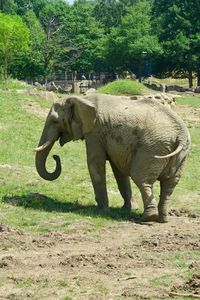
103 208
129 205
162 218
150 215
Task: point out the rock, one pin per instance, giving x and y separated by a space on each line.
197 89
3 228
90 91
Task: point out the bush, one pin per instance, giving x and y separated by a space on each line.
124 87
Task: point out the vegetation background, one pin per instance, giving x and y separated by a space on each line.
41 37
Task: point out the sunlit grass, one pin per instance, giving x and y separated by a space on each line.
193 101
13 84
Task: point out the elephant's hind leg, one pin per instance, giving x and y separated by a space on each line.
150 205
167 185
166 189
144 172
124 186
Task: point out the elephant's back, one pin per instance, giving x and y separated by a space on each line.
140 113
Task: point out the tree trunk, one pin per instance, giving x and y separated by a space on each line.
140 71
198 78
5 65
190 79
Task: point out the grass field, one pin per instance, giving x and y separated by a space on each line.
46 211
13 84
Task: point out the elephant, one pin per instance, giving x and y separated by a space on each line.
142 140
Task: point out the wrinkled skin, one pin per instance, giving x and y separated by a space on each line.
142 140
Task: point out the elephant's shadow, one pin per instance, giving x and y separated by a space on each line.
42 202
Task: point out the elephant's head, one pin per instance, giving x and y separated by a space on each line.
69 119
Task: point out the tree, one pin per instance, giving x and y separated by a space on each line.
110 12
8 6
178 27
29 65
23 6
52 16
84 33
14 38
133 41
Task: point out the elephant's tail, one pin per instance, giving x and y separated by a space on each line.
178 149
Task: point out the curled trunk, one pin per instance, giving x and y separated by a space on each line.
40 162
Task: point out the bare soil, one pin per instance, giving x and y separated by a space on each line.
128 260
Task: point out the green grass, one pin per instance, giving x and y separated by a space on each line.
124 87
193 101
38 203
13 84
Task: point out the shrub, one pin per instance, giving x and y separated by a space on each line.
123 87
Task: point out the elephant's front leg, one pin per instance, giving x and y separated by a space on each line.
124 186
96 160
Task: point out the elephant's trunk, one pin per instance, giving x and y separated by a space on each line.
40 161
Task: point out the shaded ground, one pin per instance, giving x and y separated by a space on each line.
127 261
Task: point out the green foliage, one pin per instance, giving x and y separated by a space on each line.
110 12
178 27
105 35
133 41
29 65
14 38
85 33
8 6
123 87
52 16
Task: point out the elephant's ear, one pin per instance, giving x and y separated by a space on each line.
84 116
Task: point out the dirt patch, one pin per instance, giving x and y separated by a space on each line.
125 261
191 115
190 289
193 284
37 110
7 261
40 94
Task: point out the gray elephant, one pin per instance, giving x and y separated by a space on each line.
143 140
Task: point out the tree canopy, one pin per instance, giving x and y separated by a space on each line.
53 36
14 39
